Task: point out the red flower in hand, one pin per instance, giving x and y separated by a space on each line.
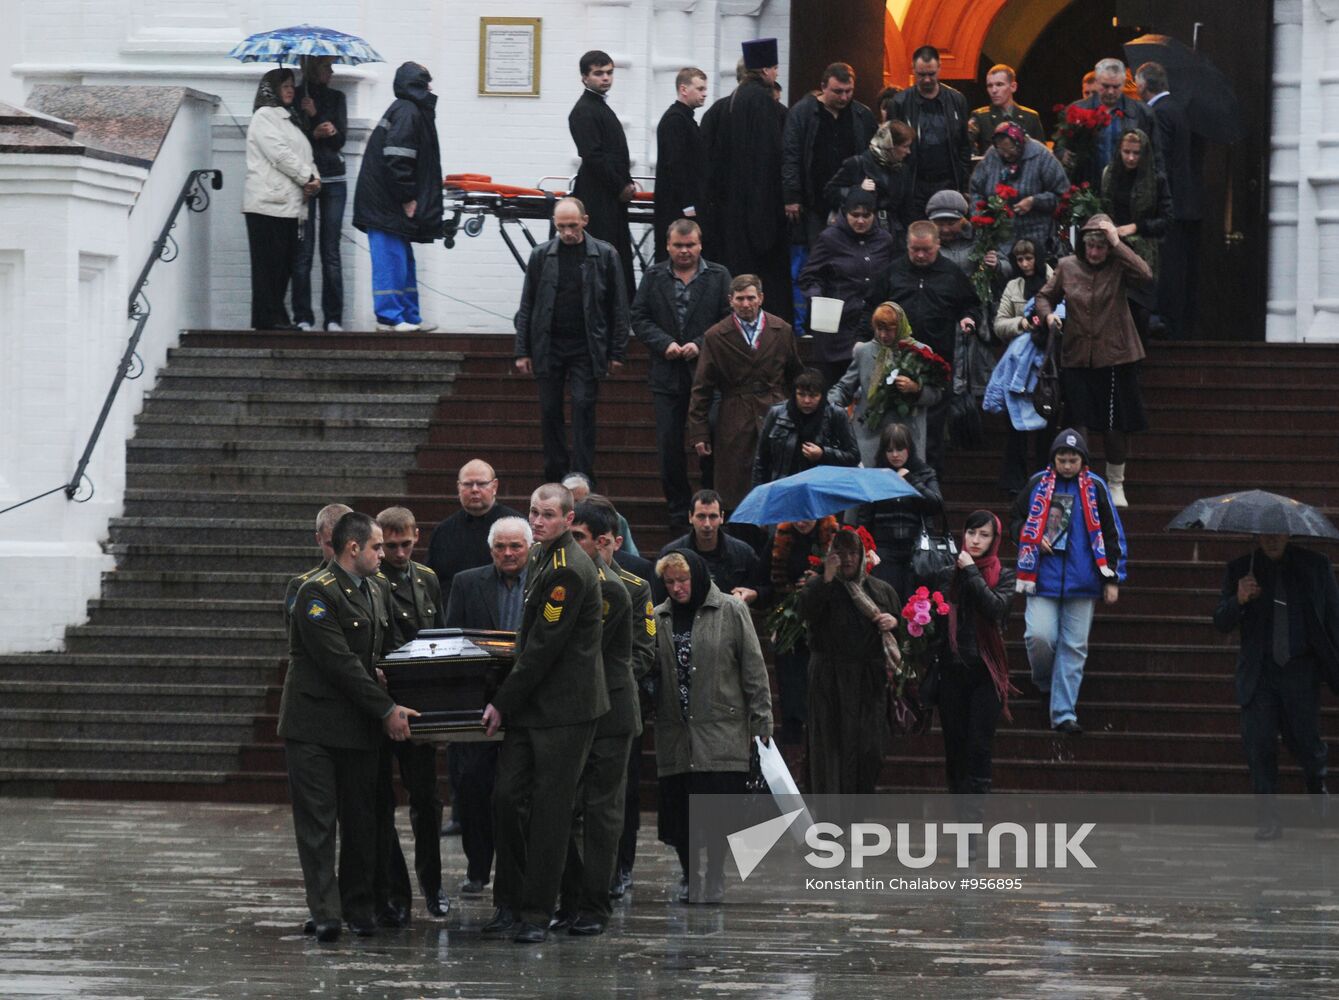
1006 192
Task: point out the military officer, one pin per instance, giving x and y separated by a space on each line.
597 826
325 524
549 704
331 719
414 598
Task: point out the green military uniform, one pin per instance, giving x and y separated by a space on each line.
414 598
292 588
549 703
986 119
597 826
643 666
330 718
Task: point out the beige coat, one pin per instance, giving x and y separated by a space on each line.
278 163
1009 321
729 699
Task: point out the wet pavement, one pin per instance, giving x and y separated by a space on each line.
175 900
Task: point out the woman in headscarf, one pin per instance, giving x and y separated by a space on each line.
1141 208
843 264
879 170
280 176
1013 318
851 617
974 674
1039 181
896 523
871 366
715 698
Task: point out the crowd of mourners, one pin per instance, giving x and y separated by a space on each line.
930 262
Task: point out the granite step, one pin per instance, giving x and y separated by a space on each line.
113 639
284 381
289 455
203 699
260 479
136 724
308 404
210 531
161 426
166 668
41 755
230 558
265 359
204 613
194 585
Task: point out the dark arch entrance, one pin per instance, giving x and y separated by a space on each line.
1053 44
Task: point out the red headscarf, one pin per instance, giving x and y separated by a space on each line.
989 637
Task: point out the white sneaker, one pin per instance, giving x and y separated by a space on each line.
426 327
385 327
406 328
334 328
304 326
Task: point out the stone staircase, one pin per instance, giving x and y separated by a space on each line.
236 449
171 689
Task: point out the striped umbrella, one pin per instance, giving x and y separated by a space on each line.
288 44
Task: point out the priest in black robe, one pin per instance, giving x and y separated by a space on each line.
746 226
604 181
681 160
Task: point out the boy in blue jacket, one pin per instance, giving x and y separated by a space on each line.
1071 551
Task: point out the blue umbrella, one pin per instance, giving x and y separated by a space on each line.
818 492
288 44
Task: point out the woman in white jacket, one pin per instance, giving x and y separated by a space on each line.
280 177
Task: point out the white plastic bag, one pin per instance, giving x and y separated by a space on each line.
782 786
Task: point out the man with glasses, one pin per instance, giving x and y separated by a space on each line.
414 599
461 541
572 325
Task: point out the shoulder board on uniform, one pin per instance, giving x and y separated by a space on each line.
425 569
382 577
559 558
325 579
627 577
983 110
599 572
1025 109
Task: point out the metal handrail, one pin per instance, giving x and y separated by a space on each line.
194 198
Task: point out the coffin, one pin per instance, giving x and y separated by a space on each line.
449 675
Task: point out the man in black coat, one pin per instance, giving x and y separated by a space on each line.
1285 601
745 228
939 302
1183 156
678 300
572 323
823 131
942 159
399 198
1126 113
604 181
680 157
733 564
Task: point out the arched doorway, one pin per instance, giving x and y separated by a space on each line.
1052 43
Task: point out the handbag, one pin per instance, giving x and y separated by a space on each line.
964 418
1046 393
935 555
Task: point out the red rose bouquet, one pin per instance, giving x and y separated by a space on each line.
1076 134
912 359
994 225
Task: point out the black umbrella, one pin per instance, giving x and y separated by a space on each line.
1254 512
1211 103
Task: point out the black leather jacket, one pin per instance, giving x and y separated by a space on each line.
779 441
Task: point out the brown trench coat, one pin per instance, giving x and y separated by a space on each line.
1099 330
750 382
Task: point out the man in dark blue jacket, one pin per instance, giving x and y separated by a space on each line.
1286 603
399 198
325 119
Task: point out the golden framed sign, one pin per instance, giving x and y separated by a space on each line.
509 50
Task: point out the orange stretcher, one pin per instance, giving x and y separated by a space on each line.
469 199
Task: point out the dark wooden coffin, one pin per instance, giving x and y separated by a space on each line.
449 675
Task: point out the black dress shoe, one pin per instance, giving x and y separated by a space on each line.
472 888
1270 829
586 926
438 903
361 926
1070 728
561 920
528 933
392 915
327 930
621 884
502 925
451 829
685 891
713 891
310 926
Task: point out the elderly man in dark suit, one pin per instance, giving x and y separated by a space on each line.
1285 601
1183 157
679 299
489 597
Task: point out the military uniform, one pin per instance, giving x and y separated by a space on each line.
292 587
414 599
549 704
986 119
330 718
597 825
643 667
